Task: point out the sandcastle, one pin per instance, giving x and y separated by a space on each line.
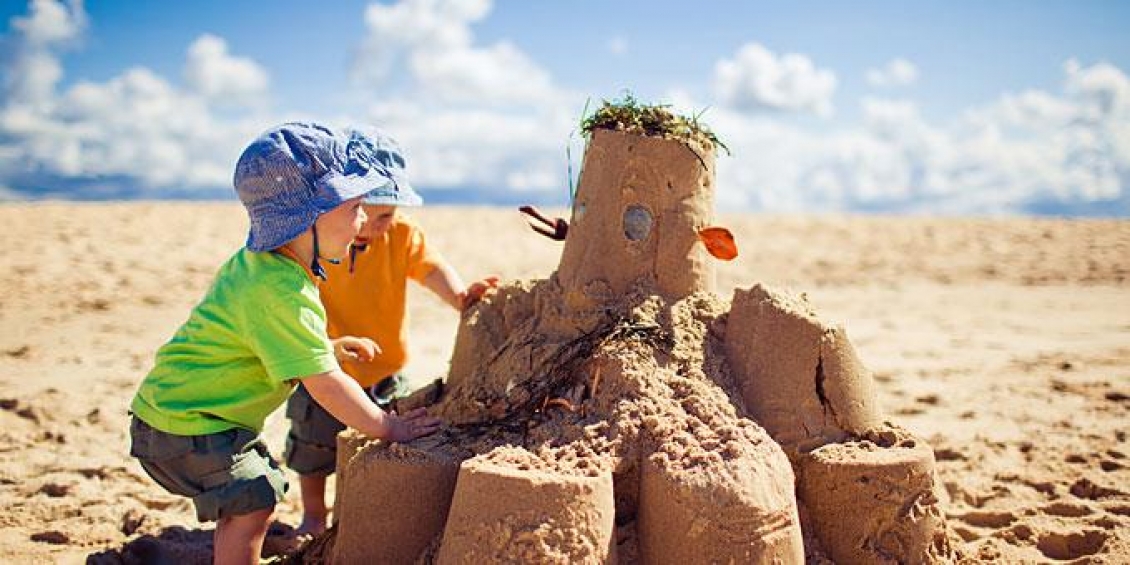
620 411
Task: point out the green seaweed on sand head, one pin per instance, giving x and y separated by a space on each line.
632 116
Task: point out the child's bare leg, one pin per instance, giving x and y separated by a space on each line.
239 539
314 509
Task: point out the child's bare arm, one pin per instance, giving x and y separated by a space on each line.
445 282
342 396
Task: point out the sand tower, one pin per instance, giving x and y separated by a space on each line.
620 411
636 214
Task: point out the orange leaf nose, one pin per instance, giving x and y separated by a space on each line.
719 242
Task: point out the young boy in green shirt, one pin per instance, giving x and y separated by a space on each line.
259 330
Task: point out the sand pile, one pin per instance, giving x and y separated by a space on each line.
621 411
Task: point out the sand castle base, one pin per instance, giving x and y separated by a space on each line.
506 513
874 500
392 500
695 518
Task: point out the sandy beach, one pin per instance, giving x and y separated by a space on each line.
1004 342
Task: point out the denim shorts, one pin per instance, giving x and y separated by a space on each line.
311 445
225 474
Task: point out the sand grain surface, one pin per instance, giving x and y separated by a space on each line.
1005 343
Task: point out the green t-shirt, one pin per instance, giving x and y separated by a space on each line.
258 328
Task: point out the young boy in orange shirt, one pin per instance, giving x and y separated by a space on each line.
366 303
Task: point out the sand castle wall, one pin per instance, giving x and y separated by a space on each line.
392 501
504 512
739 510
874 503
866 500
800 378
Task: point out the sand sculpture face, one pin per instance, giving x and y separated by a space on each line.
620 411
635 220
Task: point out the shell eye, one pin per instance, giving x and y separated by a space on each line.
637 223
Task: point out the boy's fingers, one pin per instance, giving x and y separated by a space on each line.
419 417
425 429
368 351
362 350
415 413
417 424
475 292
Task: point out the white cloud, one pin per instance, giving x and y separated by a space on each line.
488 149
469 114
135 126
211 72
496 75
1028 109
51 23
34 71
432 43
33 77
395 30
1027 151
1103 89
420 23
897 72
758 79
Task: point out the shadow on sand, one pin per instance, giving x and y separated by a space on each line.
177 545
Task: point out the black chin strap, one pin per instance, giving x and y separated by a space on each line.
353 250
315 266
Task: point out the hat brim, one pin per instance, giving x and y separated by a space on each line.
339 188
397 193
272 227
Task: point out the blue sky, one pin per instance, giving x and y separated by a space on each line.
1000 107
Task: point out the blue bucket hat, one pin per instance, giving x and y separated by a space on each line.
381 152
295 172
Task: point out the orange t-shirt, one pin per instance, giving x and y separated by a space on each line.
371 301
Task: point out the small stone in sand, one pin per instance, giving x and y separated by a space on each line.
53 537
55 490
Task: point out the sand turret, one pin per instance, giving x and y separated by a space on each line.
620 411
636 214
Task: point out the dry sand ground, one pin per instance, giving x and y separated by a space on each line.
1006 343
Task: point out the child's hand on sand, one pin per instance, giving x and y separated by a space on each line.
477 290
410 426
357 349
